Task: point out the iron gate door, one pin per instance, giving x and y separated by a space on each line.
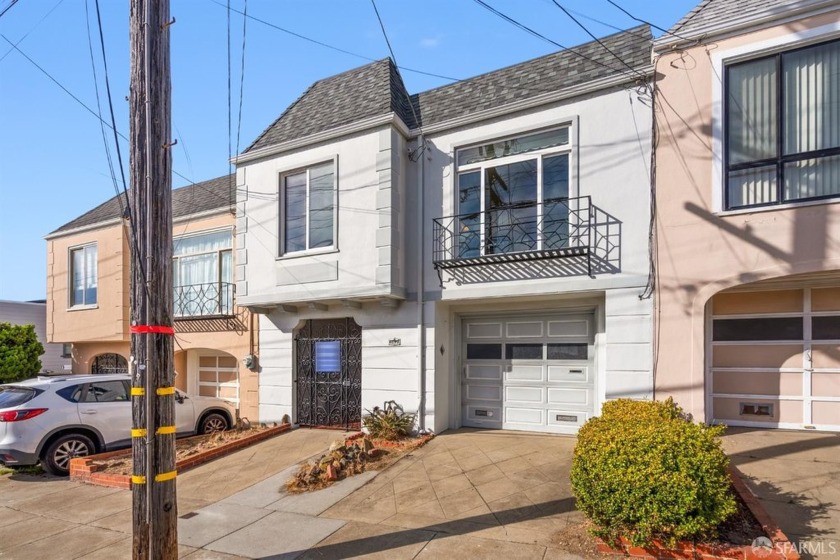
329 373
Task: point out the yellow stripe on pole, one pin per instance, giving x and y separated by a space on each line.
163 477
164 430
138 432
138 392
138 479
165 391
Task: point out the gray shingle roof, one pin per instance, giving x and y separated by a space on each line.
192 199
713 14
377 89
551 73
364 92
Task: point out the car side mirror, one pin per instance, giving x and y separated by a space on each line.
180 397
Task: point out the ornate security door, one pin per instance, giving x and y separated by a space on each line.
328 373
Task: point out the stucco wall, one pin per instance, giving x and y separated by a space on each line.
702 250
366 260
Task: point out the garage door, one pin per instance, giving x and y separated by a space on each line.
528 373
775 358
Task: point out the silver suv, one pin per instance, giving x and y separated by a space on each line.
53 419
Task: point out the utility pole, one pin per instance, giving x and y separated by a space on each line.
155 511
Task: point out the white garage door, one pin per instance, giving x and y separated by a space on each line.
528 373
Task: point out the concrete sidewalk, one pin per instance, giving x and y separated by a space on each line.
48 517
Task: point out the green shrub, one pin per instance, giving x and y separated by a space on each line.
19 352
643 471
389 423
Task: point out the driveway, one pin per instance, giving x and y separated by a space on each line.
796 476
466 494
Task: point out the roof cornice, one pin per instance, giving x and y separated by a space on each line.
532 102
772 16
324 136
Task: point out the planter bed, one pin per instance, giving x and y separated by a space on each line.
782 548
113 469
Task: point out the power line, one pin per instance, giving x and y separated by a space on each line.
242 74
539 35
631 16
231 180
328 46
9 7
57 4
596 39
419 149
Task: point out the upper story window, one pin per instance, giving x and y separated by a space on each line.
783 127
513 195
202 274
307 209
83 275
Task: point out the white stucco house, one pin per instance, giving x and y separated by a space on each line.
478 253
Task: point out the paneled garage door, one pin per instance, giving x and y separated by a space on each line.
775 358
528 373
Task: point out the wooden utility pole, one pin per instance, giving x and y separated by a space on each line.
155 512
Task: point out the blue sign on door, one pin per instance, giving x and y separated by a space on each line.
327 356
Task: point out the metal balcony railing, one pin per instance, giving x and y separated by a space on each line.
214 299
517 232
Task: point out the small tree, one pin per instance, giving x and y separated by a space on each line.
19 352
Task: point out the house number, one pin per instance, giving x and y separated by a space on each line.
395 342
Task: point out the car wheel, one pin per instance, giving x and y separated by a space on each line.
213 422
57 457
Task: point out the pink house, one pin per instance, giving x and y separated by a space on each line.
748 222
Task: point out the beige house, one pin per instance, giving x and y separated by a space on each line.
88 295
748 220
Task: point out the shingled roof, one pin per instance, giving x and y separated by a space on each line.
715 14
377 89
192 199
368 91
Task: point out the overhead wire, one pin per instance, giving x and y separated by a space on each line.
25 35
597 40
7 8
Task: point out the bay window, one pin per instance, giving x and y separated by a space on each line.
513 195
307 209
783 127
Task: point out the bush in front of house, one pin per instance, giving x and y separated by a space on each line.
389 423
643 471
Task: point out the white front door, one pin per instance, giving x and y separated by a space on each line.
533 373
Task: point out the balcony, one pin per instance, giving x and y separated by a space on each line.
566 229
213 300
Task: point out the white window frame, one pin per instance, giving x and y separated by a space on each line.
281 249
218 252
539 155
745 53
70 251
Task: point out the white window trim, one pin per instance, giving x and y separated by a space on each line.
741 54
217 251
81 306
281 191
570 149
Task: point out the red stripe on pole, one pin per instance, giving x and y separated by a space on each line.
146 329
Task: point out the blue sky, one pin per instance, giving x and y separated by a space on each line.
53 166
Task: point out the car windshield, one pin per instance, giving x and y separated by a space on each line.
13 396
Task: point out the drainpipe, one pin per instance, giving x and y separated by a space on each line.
421 260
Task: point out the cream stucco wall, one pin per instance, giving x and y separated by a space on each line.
104 328
700 249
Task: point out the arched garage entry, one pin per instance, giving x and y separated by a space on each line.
109 363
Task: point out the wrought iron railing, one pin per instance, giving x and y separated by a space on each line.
213 299
516 232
